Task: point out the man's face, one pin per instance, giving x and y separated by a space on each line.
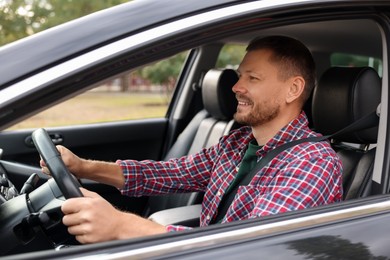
259 91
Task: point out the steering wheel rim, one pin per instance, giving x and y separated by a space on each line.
68 185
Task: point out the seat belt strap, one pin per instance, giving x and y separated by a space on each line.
368 121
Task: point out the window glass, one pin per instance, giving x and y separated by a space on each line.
231 56
350 60
142 93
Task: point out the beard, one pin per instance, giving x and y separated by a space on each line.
260 113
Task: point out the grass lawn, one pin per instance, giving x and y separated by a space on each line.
96 107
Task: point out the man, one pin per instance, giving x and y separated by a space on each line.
277 76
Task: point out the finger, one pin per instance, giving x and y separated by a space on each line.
60 148
43 166
89 194
72 205
71 220
81 238
78 230
46 171
86 239
81 233
73 213
63 151
42 163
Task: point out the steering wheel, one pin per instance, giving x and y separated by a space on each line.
66 182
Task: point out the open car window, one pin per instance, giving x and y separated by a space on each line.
142 93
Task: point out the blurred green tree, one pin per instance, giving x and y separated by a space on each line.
20 18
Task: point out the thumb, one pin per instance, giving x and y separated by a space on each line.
89 194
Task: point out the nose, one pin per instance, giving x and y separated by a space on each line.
239 87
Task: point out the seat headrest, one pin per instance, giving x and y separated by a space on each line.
218 98
343 95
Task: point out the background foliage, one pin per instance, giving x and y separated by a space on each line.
20 18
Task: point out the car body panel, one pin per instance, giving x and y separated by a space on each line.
327 233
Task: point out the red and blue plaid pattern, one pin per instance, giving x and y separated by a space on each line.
306 175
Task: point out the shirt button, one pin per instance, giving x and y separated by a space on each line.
208 217
237 168
218 193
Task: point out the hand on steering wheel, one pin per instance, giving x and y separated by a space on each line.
68 185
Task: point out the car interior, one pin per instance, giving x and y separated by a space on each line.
343 94
202 111
204 130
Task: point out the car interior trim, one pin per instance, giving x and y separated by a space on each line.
382 130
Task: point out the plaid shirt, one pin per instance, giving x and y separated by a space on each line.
306 175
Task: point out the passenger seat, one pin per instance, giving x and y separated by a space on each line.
205 130
343 95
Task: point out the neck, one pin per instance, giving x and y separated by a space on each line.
263 133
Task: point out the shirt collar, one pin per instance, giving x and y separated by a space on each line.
291 131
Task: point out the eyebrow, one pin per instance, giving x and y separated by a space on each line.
240 71
258 74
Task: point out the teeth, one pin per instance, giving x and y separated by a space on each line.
243 101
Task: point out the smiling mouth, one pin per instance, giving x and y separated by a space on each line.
242 103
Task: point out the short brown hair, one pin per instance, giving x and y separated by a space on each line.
293 58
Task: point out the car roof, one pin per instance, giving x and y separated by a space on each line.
63 41
92 31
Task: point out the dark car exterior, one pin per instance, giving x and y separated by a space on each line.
62 62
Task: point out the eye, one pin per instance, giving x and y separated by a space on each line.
253 78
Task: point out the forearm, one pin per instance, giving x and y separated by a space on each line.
134 226
103 172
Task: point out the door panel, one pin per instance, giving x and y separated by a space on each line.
140 139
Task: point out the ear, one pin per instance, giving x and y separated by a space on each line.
297 85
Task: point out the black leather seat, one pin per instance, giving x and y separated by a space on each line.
205 129
342 96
